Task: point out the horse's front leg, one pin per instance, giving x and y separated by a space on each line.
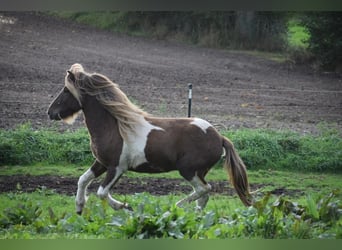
113 175
83 182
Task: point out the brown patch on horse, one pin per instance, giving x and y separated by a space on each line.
106 145
183 147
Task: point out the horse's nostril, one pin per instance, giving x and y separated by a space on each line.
50 114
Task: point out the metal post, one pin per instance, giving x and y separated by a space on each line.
189 100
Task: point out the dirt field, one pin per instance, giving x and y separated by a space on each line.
154 186
230 89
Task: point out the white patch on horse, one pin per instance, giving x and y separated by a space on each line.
72 118
83 183
202 124
133 151
102 192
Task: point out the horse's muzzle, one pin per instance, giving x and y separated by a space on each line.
54 116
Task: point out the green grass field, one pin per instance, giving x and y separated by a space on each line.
259 149
312 210
308 167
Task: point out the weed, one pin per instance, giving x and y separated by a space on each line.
22 214
318 217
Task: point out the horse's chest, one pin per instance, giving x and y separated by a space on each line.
133 155
106 153
133 150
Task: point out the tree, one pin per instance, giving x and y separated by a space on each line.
325 40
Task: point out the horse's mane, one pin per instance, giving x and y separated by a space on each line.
110 96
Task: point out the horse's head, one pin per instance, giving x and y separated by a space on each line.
67 104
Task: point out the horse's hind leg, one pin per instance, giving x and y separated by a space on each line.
83 182
200 193
202 201
113 175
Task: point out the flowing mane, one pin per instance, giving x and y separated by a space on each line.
110 96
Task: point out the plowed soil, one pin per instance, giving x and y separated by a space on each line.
231 89
155 186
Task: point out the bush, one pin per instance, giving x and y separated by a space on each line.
260 149
24 145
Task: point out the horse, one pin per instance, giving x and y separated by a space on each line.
123 137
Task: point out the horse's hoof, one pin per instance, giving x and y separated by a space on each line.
127 207
79 212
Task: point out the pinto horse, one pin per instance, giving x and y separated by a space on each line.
125 138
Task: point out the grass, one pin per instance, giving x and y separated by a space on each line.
286 150
70 170
279 57
308 165
45 214
24 145
259 149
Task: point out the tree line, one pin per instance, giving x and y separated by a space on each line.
252 30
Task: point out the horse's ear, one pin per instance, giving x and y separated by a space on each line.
71 76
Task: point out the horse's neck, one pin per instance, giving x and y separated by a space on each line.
99 121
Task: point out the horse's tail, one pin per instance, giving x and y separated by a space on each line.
237 172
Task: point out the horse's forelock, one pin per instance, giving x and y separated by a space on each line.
74 89
76 68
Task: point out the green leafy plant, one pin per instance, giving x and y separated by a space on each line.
150 220
22 214
154 217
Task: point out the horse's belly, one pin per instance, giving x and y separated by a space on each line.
148 167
